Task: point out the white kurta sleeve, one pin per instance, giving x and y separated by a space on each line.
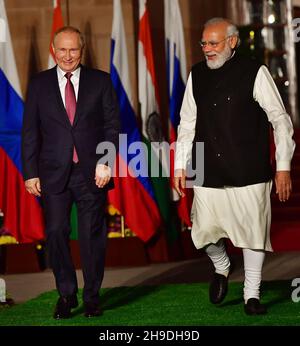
267 95
186 128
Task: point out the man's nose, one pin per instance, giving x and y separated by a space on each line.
207 48
68 54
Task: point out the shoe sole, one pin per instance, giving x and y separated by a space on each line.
91 316
255 313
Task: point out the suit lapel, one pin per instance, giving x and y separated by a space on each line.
61 115
81 93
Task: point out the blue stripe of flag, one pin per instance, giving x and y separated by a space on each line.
11 115
128 121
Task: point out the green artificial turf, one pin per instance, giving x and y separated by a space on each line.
164 305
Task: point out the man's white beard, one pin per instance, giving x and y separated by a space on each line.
222 57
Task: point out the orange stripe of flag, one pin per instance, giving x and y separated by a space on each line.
56 23
145 38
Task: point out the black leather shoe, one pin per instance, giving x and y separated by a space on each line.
218 288
92 310
63 307
253 307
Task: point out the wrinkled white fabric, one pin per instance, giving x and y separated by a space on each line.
217 254
242 214
253 262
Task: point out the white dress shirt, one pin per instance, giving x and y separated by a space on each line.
62 81
266 94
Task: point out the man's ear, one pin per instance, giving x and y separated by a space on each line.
233 40
53 47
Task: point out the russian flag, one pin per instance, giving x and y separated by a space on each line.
176 77
22 212
132 196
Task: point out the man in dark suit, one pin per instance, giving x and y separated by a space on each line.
69 110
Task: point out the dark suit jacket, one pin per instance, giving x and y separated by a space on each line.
48 137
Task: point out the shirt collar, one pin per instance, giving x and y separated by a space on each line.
232 55
61 73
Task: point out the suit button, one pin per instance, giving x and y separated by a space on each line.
215 104
228 98
218 155
215 138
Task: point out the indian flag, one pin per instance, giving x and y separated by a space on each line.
151 122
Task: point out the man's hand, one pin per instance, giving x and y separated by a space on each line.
283 185
179 181
102 175
33 186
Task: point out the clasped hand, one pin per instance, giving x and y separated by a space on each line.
102 178
102 175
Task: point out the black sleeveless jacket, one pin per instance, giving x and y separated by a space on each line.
234 128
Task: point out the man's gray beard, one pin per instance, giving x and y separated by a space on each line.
221 58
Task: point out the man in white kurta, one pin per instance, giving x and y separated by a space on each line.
240 213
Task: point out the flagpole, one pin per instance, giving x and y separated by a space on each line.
123 226
68 12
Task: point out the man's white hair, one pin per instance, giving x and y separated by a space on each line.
232 30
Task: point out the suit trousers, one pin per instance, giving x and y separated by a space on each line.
91 235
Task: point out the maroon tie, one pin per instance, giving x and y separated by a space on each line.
70 100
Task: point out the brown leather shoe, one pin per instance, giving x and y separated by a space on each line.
218 288
92 310
254 307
